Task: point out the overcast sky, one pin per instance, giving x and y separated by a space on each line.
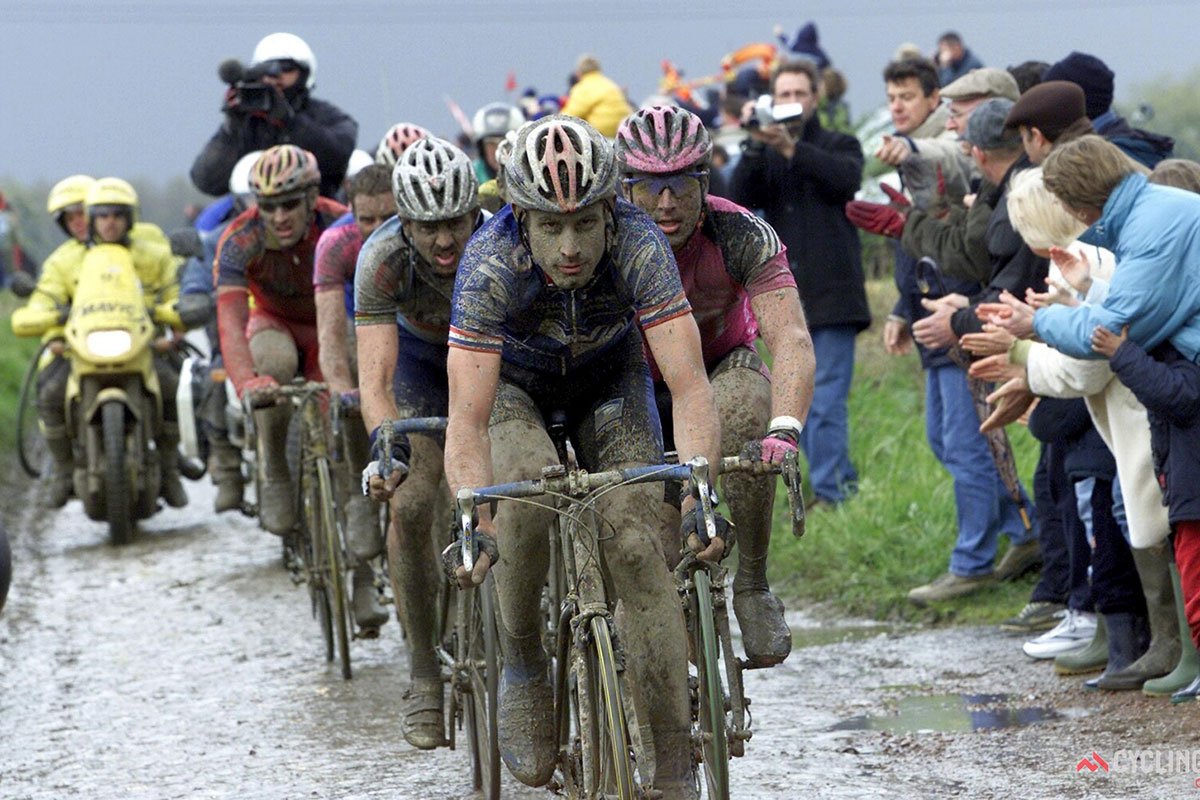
129 87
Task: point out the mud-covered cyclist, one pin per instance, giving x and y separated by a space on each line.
548 304
735 272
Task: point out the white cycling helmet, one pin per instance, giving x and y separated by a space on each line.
434 180
239 179
287 46
496 119
358 160
559 164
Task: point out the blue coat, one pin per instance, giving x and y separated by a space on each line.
1168 385
1154 231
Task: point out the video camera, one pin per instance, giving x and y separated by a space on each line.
250 93
767 113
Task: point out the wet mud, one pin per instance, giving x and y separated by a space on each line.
187 665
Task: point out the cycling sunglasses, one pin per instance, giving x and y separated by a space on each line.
269 206
653 185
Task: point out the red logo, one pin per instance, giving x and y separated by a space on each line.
1092 764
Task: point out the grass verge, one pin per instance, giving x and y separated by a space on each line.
862 557
14 356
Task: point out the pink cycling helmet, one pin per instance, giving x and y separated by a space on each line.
663 139
559 164
399 138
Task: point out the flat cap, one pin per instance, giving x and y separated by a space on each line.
987 128
1051 107
983 82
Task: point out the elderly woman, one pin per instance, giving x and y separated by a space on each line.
1079 274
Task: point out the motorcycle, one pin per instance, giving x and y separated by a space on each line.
113 399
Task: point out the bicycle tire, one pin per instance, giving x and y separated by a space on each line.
310 547
714 736
611 773
31 445
483 665
332 564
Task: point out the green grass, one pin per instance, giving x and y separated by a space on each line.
14 356
897 532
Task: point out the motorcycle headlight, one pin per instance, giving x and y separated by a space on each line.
109 344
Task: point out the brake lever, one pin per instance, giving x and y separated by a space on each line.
386 435
702 492
466 524
794 481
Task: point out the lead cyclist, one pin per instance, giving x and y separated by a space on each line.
735 273
548 304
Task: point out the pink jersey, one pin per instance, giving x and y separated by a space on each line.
337 253
733 257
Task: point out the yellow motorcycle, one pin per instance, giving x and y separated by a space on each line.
113 400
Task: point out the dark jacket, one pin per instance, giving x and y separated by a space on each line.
952 72
958 242
1168 385
1066 423
316 125
908 304
1144 147
1015 267
803 200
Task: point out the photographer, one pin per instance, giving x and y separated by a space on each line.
801 176
269 103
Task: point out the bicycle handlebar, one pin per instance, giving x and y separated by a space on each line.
389 429
577 483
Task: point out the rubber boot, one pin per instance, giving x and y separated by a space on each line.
1128 638
276 497
62 467
170 485
1092 658
1188 693
225 467
368 613
1188 668
1163 652
526 734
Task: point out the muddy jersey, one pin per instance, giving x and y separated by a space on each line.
337 253
393 285
733 257
280 281
504 303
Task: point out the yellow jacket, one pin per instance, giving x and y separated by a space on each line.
156 268
597 99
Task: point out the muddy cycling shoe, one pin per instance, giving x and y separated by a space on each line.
363 532
61 489
172 487
275 506
368 613
766 637
422 723
526 735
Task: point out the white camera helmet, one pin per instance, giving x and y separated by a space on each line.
287 46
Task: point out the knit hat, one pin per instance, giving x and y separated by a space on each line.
806 45
1051 107
986 127
1091 74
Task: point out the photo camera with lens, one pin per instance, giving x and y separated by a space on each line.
767 113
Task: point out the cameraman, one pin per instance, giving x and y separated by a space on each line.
269 104
801 176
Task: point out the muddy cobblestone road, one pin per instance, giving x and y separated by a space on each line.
186 665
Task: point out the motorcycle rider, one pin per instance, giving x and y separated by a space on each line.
294 117
111 206
66 205
266 255
546 309
735 273
337 252
403 286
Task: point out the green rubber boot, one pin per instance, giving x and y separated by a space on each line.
1188 668
1092 658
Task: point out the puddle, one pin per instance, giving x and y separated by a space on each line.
950 712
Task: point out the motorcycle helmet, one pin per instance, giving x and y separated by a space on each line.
287 47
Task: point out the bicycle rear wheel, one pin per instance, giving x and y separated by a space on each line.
713 732
608 769
331 563
483 670
31 445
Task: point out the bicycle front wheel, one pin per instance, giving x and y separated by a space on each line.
608 769
483 670
714 738
331 563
